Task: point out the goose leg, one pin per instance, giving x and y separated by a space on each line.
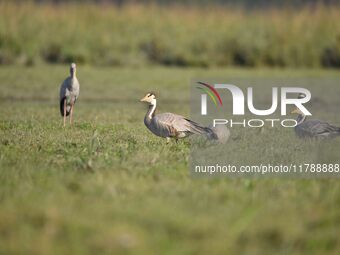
64 113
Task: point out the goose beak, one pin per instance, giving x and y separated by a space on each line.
295 111
143 99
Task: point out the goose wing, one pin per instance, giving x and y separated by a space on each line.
171 124
318 128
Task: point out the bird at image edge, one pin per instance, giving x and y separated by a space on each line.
313 128
69 92
170 125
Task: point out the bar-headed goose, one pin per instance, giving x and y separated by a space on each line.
313 128
170 125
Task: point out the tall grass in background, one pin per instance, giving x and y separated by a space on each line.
137 35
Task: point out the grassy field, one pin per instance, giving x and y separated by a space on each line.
108 186
136 35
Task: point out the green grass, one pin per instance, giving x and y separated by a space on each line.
137 35
108 186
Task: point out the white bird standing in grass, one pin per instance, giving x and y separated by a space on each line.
170 125
69 92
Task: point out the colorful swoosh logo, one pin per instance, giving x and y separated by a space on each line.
211 91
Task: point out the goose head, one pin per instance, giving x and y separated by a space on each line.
150 98
296 109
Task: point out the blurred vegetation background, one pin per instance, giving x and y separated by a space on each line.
109 186
181 33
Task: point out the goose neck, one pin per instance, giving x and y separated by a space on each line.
152 109
301 118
